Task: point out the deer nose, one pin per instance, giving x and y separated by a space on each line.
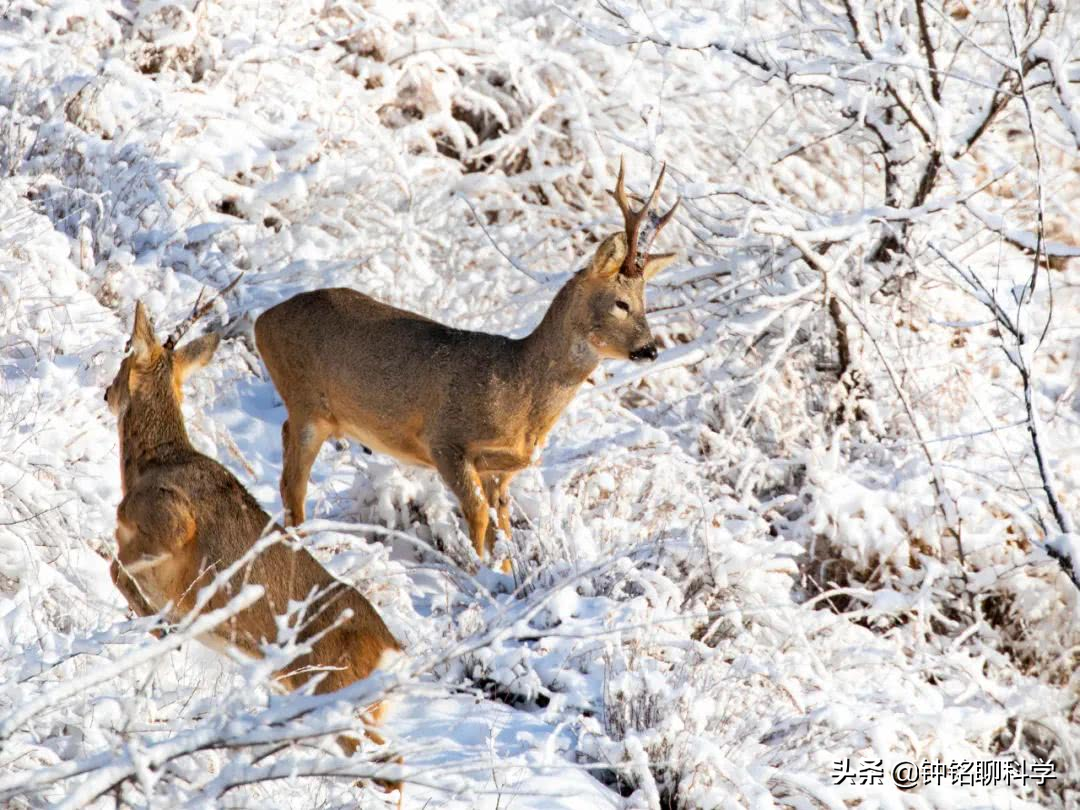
646 352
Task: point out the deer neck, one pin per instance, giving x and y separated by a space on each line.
558 350
151 431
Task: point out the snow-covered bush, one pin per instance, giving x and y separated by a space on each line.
834 521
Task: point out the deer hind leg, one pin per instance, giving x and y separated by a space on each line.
496 490
153 531
131 591
460 475
122 580
373 716
300 442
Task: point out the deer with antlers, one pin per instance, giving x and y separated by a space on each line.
184 517
475 406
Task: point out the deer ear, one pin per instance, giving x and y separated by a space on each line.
609 256
143 341
656 262
194 355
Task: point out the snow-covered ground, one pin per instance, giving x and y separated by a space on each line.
815 531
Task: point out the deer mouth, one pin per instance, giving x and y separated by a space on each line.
646 353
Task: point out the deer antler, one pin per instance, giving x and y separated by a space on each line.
633 220
197 312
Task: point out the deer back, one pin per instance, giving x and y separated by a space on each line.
394 379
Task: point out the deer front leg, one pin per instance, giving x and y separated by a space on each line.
460 475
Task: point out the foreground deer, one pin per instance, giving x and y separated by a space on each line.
474 406
184 517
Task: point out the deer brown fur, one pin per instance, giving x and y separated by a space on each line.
475 406
184 517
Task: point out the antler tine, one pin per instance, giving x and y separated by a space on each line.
631 219
620 190
660 223
197 312
656 188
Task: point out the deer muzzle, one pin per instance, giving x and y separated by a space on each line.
646 352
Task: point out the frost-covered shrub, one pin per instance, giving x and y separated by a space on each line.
169 36
816 529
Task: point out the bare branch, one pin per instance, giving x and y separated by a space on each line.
197 312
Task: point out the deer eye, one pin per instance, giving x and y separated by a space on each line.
625 307
620 310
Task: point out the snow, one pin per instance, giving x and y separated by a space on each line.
1067 546
732 567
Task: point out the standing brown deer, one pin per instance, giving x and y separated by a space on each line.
184 517
475 406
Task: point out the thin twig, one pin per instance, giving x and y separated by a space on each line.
521 268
